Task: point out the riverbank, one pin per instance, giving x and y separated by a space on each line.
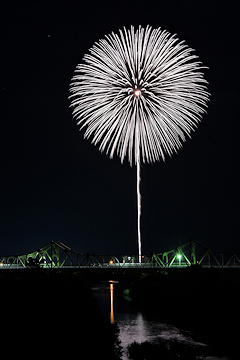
50 314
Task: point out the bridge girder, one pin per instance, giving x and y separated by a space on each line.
59 255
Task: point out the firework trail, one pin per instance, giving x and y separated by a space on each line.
139 94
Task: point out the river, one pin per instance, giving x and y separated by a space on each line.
134 326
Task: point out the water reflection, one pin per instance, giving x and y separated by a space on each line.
137 328
134 326
111 300
111 296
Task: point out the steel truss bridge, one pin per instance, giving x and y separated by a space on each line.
58 255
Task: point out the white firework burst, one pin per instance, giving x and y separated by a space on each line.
139 94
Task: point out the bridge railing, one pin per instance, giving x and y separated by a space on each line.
58 255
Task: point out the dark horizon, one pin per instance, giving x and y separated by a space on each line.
56 186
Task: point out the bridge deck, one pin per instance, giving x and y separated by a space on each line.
58 255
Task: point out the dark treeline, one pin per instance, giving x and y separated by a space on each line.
205 301
49 315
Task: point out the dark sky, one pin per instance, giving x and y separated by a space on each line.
57 186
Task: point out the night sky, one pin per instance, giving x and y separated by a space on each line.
57 186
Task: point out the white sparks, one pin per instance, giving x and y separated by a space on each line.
166 79
138 94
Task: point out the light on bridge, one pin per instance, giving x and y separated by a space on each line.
179 256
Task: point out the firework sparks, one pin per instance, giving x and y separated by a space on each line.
139 94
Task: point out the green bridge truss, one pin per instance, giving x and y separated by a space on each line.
58 255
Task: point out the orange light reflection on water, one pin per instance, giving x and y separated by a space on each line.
111 296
